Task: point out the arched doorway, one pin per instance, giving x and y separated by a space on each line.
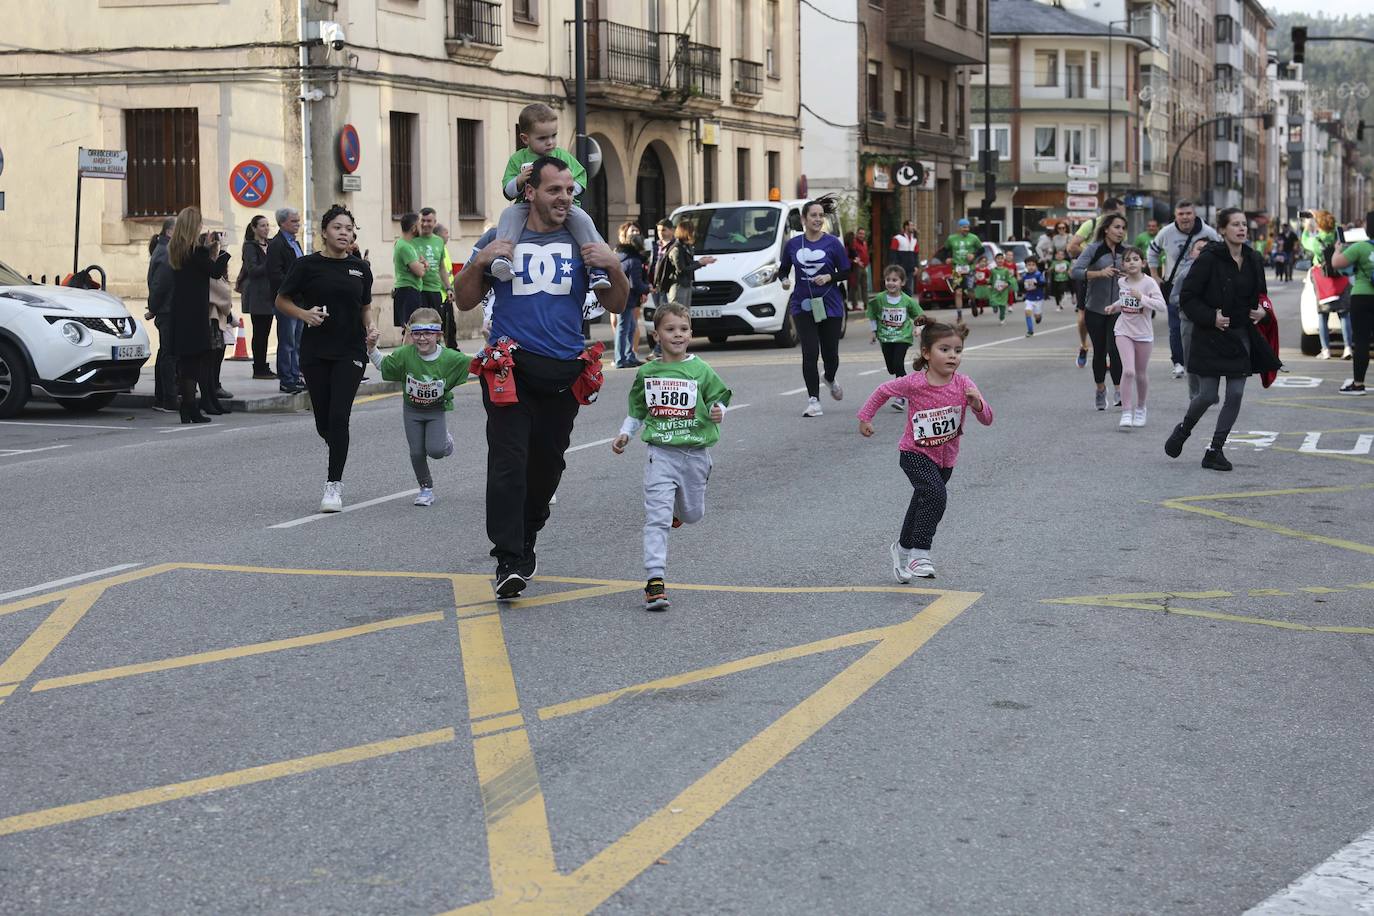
650 189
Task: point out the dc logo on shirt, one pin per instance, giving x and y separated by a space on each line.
543 269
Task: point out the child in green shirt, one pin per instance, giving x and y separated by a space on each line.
539 137
982 279
894 315
430 372
1059 279
1003 283
679 401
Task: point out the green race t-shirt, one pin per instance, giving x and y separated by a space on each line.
1361 257
895 320
431 248
1003 285
429 384
524 156
1061 270
1143 241
964 248
403 254
675 399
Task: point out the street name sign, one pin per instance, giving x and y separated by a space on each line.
1082 203
102 163
1081 187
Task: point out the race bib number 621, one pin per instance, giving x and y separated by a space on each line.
935 426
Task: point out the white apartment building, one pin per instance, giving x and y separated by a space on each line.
688 100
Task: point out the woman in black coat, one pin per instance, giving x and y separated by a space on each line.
194 258
255 292
1221 297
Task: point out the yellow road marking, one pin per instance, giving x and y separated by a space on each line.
128 801
1233 618
1271 527
59 594
497 724
1144 601
714 671
519 843
219 655
50 632
491 607
366 399
626 858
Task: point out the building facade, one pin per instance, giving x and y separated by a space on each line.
1239 153
1065 100
1192 41
687 99
905 98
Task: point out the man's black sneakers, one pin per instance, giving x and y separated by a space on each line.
509 582
528 565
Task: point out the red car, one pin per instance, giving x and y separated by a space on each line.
933 285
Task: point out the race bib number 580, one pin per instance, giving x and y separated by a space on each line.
674 398
935 426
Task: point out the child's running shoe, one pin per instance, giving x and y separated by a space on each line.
1126 420
597 278
448 444
921 568
502 269
899 563
425 497
899 404
677 522
1082 357
655 595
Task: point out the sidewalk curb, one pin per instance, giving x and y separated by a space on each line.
280 402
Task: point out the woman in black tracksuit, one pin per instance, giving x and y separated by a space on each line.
1097 268
1221 297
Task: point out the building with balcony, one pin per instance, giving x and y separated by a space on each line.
1064 97
1192 33
897 93
1241 55
688 100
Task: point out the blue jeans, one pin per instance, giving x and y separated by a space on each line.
289 348
1175 335
625 337
1324 331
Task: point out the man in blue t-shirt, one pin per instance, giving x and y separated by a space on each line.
541 310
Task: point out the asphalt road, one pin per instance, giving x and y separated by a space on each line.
1136 686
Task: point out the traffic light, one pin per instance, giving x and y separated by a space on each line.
1299 43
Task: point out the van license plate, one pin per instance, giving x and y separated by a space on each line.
129 351
705 311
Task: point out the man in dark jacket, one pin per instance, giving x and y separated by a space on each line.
160 313
282 252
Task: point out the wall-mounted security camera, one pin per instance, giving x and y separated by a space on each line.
314 95
329 33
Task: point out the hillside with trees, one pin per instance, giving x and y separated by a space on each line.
1340 75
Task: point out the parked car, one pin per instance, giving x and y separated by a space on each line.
1307 306
740 294
933 284
81 346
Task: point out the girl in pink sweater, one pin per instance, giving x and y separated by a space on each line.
1138 299
938 398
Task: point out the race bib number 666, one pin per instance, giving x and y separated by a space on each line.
935 426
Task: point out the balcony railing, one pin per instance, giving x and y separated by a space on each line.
748 76
638 57
477 21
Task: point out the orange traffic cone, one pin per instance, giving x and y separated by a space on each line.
240 344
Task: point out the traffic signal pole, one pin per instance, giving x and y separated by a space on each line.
989 170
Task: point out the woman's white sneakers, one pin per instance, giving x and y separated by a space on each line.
836 391
813 408
333 497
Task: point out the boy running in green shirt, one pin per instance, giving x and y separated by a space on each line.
1059 279
1003 287
894 315
538 125
679 401
430 372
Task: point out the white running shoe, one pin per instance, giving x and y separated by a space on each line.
1126 420
425 497
899 563
813 408
1179 371
553 500
1348 354
1139 417
921 568
448 444
333 497
502 269
836 391
1324 353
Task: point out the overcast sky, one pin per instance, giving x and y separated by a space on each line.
1330 7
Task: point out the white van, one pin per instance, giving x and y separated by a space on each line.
740 293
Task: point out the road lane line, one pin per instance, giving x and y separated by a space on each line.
15 452
352 507
735 407
1341 884
129 801
873 371
220 655
578 448
783 394
994 343
65 425
50 633
58 583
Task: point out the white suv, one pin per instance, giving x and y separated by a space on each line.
81 346
740 292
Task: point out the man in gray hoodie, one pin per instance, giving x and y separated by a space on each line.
1169 258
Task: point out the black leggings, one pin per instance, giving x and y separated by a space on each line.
1101 330
1361 327
1209 387
332 384
928 499
894 354
262 327
821 340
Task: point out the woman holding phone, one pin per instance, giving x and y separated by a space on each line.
1098 268
335 291
195 259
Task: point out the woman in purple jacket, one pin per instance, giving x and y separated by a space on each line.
816 304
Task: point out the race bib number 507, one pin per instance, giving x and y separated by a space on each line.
935 426
674 398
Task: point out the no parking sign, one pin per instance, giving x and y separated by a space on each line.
350 149
250 183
